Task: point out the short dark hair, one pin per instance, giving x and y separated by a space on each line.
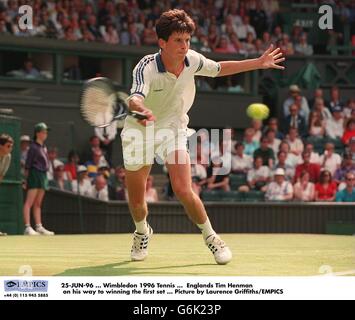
5 138
175 20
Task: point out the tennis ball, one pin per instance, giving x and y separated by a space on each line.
258 111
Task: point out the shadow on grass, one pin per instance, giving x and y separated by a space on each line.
129 268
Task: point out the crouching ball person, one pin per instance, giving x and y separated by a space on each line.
36 168
163 88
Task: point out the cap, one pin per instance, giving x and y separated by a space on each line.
57 163
337 108
25 138
41 127
294 88
279 172
81 169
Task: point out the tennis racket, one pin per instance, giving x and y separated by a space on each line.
101 104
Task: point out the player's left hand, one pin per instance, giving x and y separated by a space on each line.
271 58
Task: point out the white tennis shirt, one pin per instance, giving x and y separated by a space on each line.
169 97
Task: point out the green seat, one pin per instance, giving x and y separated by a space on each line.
254 196
237 180
212 195
232 196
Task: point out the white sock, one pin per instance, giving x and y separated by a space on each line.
39 225
206 229
142 226
27 225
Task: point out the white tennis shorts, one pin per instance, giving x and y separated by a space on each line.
141 146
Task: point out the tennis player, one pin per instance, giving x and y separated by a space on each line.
164 89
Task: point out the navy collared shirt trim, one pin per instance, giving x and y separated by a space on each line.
160 65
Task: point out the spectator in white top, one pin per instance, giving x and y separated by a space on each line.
349 108
53 162
320 106
329 160
24 147
291 159
110 35
303 47
84 187
316 125
241 162
243 29
335 125
274 143
151 194
279 189
259 175
296 144
304 189
107 137
294 92
99 189
257 126
315 158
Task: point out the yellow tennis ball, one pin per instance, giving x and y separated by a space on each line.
258 111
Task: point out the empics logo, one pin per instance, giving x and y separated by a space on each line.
26 286
26 17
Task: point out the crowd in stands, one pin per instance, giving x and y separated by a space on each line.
243 27
311 157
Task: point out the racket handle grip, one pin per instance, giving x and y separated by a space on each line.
138 115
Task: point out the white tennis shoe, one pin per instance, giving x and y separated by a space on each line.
44 232
219 249
30 232
139 249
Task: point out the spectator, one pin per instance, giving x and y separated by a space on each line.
149 37
273 124
103 168
218 180
319 106
257 126
347 194
335 98
213 37
24 147
266 40
346 167
241 162
313 169
59 181
92 27
249 143
295 120
94 146
330 160
351 149
291 159
248 46
349 108
151 194
325 188
110 35
274 143
224 46
99 189
258 19
279 189
266 153
71 166
277 35
315 158
281 163
294 93
295 143
198 176
349 132
245 28
93 165
304 190
37 164
317 126
318 93
130 36
335 125
116 182
286 45
303 47
82 185
6 145
107 137
258 176
29 70
53 161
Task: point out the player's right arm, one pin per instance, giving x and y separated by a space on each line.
142 77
